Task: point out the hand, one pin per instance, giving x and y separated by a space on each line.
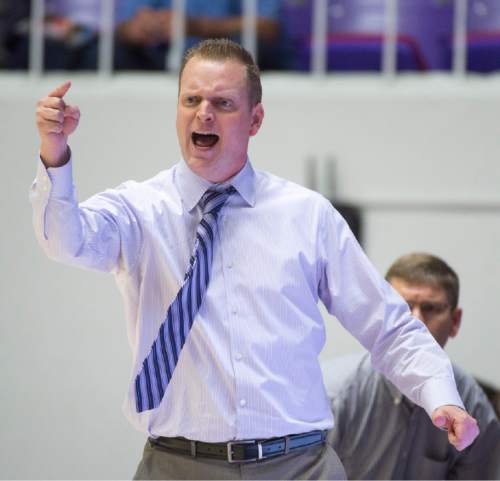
59 28
56 121
164 17
147 25
462 428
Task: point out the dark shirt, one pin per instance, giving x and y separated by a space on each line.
380 434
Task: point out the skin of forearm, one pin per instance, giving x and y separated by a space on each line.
218 27
123 32
146 27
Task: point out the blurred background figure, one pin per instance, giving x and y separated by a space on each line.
144 30
380 433
14 32
285 32
71 34
3 32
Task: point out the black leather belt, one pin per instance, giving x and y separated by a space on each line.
241 451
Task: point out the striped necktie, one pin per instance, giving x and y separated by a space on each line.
159 365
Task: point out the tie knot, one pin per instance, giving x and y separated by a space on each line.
213 200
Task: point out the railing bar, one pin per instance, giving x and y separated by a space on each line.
36 43
106 38
460 38
249 30
176 51
389 51
319 35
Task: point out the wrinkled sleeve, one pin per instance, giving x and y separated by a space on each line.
401 347
102 233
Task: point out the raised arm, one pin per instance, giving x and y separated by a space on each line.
101 233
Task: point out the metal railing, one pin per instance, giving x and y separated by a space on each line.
249 36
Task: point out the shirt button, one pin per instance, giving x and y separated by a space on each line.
243 403
238 357
234 310
230 265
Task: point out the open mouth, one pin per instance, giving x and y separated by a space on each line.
204 140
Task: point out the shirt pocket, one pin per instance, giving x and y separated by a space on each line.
433 468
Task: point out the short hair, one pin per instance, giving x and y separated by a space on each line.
423 268
223 49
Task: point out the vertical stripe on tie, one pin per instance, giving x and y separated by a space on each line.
148 383
156 365
164 352
171 335
180 314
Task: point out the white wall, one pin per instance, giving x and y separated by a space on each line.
420 155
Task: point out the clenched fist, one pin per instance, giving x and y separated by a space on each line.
56 120
462 428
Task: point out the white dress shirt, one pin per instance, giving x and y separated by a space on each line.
249 367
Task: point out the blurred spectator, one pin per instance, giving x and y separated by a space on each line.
71 30
380 433
14 29
144 30
3 31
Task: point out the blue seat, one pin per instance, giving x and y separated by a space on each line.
483 37
430 24
355 33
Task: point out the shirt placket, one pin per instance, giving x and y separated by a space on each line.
233 315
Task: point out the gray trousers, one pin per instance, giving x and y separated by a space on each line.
315 462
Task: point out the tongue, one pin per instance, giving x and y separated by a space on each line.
205 140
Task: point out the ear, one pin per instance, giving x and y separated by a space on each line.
456 317
257 118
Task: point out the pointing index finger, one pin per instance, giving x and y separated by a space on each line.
61 90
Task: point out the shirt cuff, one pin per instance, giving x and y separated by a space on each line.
439 392
61 179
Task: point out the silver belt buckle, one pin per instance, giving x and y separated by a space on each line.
230 452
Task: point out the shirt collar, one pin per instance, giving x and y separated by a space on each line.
192 186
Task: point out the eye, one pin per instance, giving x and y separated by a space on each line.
225 104
190 100
427 308
431 309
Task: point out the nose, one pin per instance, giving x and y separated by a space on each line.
205 113
415 311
